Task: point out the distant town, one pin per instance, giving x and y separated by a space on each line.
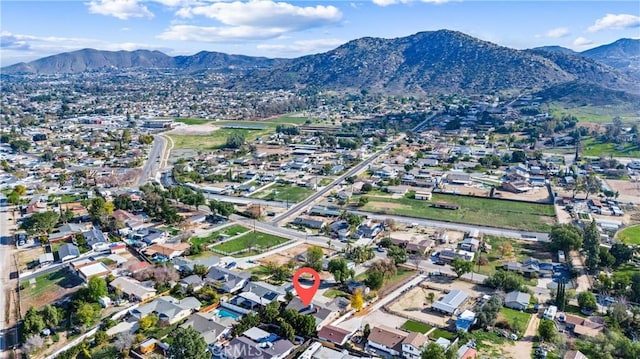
152 216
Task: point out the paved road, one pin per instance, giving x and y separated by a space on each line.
7 285
153 163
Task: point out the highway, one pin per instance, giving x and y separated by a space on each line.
153 164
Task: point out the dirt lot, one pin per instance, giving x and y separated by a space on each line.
62 284
283 257
414 305
629 191
28 256
203 129
537 194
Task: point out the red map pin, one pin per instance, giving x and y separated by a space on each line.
306 294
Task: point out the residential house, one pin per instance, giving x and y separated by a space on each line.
166 250
138 266
458 178
68 251
265 291
186 265
230 281
470 244
517 300
465 320
256 343
370 230
320 312
210 326
530 267
133 222
96 239
413 345
67 231
448 255
466 352
133 289
194 280
324 211
423 196
387 339
317 351
169 310
334 334
583 326
92 269
451 302
150 235
340 229
385 172
398 190
309 223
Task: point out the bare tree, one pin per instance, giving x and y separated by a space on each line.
33 344
416 259
123 341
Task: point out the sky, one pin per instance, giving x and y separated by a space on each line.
287 28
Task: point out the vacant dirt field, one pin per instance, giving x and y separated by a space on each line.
283 257
537 194
203 129
473 290
28 256
414 304
629 191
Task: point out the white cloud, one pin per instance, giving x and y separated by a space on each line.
581 41
557 32
394 2
219 34
122 9
617 22
303 46
252 20
266 13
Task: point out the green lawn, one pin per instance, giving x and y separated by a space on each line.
630 235
481 211
441 333
250 240
486 339
593 147
325 181
217 138
289 119
232 230
596 114
50 282
516 319
284 192
414 326
332 293
69 198
192 121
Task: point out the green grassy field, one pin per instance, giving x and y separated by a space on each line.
521 251
414 326
290 118
232 230
248 240
630 235
516 319
481 211
50 282
593 147
595 114
283 192
215 139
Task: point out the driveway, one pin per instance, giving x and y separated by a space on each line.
523 347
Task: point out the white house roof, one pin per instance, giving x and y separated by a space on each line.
518 297
451 301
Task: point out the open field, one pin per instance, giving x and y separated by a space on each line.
593 147
192 121
284 256
250 240
332 293
283 192
414 304
594 114
230 231
215 139
414 326
441 333
48 288
481 211
630 235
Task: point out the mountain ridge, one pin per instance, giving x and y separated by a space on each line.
425 62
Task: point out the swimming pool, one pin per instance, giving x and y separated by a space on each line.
225 313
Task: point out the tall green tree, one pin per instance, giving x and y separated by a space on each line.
97 288
433 351
591 245
40 223
397 254
461 266
547 330
314 258
374 280
51 316
188 344
587 301
340 270
33 322
565 237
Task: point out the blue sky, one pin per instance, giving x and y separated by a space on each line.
33 29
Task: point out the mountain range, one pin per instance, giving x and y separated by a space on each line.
442 61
